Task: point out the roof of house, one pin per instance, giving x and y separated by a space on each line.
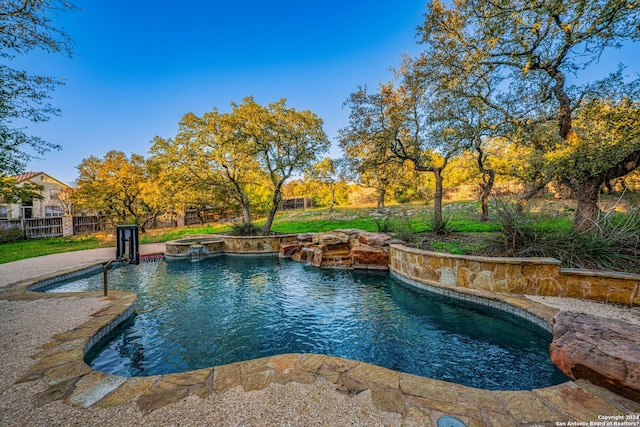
29 175
26 176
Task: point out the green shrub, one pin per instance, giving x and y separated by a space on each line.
613 244
384 225
403 229
12 235
245 229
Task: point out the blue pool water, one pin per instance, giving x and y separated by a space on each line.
228 309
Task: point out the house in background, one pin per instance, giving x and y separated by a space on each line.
53 203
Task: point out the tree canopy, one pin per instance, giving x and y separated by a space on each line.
113 185
286 141
400 123
525 52
237 153
25 25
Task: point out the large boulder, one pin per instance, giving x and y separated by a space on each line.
331 238
336 256
288 250
306 237
369 257
352 232
373 239
343 248
604 351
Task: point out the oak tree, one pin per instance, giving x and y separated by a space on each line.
25 26
114 186
209 155
534 48
285 140
398 124
329 173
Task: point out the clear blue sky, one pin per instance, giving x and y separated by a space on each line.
141 65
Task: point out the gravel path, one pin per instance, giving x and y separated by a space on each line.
594 308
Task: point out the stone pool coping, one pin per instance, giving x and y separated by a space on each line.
217 244
420 400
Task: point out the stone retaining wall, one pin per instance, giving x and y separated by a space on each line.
208 245
256 244
532 276
182 247
620 288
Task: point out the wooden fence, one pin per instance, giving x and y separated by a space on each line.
213 214
88 224
35 228
297 203
91 224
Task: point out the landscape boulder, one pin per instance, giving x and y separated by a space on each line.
287 250
306 237
603 351
369 257
373 239
314 255
331 238
343 248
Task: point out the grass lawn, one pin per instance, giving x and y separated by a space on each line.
14 251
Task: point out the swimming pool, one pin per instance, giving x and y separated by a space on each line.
227 309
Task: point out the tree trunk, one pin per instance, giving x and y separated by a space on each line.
276 201
382 191
333 199
266 230
438 225
587 192
484 204
488 178
246 210
524 198
587 210
486 187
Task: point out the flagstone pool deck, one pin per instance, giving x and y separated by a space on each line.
44 380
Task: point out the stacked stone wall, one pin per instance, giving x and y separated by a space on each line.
256 244
532 276
216 244
613 287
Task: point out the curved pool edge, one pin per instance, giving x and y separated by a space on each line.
538 314
202 246
412 396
